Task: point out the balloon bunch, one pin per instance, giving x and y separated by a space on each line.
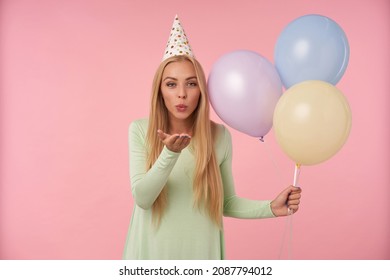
312 118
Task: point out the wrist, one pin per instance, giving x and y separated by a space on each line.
273 210
172 150
277 211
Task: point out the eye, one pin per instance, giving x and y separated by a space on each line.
170 84
192 84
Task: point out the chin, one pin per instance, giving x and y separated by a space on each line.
182 116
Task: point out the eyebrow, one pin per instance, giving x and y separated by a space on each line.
189 78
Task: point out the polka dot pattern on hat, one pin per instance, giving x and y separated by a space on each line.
177 42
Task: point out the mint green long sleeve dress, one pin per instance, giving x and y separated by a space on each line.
185 232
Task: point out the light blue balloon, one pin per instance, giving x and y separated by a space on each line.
312 47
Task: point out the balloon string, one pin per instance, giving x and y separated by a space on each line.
277 169
289 219
288 228
288 225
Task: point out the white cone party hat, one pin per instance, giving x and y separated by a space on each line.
177 42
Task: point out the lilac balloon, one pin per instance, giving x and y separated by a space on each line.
244 88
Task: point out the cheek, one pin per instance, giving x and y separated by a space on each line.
166 99
196 98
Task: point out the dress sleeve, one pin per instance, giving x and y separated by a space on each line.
233 205
147 185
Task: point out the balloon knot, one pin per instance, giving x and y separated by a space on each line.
261 139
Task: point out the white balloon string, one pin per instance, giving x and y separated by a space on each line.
290 212
289 219
288 225
277 169
288 228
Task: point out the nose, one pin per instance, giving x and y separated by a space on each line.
182 92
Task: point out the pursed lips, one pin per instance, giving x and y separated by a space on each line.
181 107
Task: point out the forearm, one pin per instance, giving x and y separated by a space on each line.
146 186
243 208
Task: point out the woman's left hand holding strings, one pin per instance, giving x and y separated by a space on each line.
289 198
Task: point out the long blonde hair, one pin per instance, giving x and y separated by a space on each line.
207 186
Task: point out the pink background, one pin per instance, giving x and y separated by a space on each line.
74 74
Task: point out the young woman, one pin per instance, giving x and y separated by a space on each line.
181 177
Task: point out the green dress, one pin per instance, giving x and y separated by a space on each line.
185 232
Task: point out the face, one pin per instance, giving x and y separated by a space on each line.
180 89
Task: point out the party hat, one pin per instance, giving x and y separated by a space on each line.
177 42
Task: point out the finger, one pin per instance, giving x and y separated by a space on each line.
296 189
186 139
186 142
180 140
295 192
162 135
294 208
286 192
293 202
171 140
294 196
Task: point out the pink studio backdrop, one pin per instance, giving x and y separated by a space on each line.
74 74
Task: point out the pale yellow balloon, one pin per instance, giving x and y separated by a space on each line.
312 121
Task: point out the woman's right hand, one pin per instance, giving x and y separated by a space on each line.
176 142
